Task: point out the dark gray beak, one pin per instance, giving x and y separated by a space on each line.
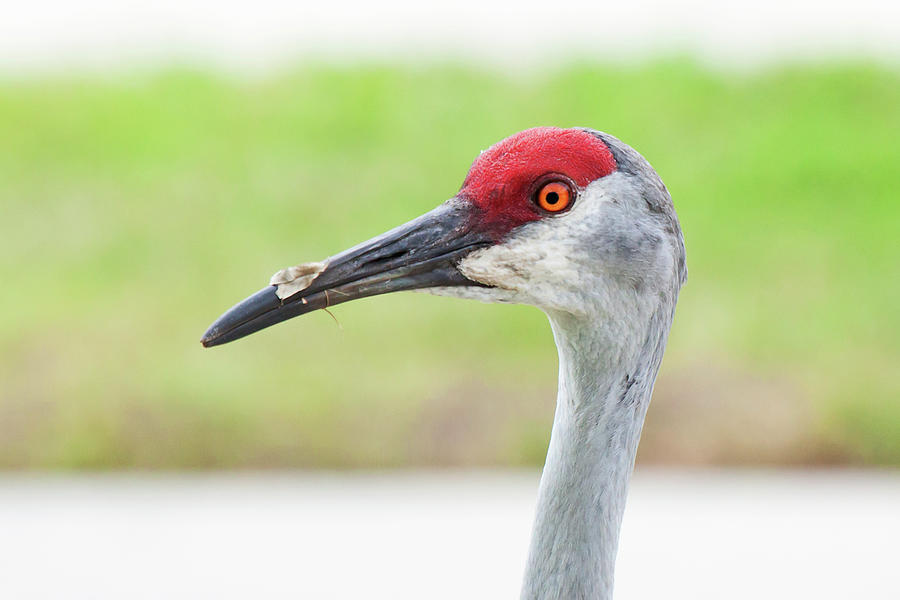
420 254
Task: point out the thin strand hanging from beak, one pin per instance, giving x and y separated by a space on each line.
327 304
336 322
296 279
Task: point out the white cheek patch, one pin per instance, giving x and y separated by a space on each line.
497 265
296 279
521 262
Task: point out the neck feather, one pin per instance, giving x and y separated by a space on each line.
605 380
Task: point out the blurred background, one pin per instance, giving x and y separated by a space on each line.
158 163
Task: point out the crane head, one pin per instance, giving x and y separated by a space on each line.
569 220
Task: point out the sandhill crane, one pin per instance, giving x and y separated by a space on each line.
578 224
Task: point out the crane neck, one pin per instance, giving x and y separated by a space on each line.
606 376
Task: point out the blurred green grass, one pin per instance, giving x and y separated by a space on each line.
137 207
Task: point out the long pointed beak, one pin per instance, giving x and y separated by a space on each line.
420 254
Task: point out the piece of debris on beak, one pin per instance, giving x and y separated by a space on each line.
296 279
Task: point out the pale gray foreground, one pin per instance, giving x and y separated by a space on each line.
694 535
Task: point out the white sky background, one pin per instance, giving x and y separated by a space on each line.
262 35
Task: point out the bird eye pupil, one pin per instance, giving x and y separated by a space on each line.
552 198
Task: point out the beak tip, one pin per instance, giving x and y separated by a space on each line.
209 338
227 327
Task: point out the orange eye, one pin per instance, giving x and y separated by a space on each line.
554 197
